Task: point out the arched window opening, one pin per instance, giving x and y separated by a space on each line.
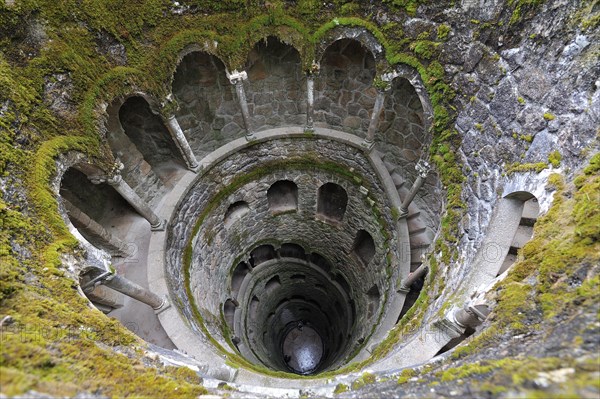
332 200
98 212
292 251
275 74
283 196
237 278
364 247
320 261
207 111
151 138
372 301
341 280
272 284
253 308
262 254
235 212
229 312
344 92
402 129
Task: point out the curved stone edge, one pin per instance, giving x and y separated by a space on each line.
481 278
176 327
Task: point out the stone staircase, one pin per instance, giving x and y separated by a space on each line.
523 234
420 235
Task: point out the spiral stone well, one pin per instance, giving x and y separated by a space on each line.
296 199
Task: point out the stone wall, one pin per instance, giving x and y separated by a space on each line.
344 94
98 201
276 86
216 247
148 132
293 289
401 140
521 96
137 171
209 112
401 135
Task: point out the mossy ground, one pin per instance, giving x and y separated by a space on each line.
557 274
546 312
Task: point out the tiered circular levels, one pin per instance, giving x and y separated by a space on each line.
284 233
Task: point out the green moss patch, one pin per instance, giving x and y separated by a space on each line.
566 243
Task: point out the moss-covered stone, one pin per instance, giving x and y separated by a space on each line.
364 379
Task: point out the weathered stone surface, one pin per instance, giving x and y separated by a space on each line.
58 94
504 106
473 56
344 87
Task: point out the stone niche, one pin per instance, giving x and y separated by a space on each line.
276 88
344 92
209 112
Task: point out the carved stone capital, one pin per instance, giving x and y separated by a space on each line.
236 77
314 69
422 167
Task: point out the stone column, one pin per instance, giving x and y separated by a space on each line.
114 244
422 168
471 315
310 96
131 289
125 287
182 143
377 108
103 295
310 102
237 78
116 180
412 277
136 202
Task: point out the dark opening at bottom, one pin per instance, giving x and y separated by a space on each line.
302 348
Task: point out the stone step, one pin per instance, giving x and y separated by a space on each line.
523 234
413 210
389 166
414 215
415 254
415 224
414 266
398 180
416 231
420 240
531 209
419 245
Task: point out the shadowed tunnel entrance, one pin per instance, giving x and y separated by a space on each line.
293 314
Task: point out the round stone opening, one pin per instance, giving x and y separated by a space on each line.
302 348
294 314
